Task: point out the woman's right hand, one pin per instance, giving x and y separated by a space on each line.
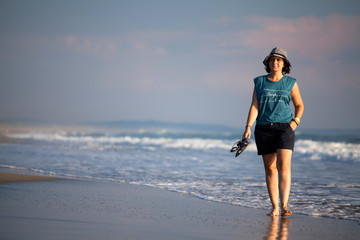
247 133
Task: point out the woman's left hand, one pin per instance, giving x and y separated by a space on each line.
293 125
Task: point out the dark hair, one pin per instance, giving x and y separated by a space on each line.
286 69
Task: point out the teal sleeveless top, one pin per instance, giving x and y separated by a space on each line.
274 99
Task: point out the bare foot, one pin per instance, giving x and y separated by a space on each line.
285 212
274 212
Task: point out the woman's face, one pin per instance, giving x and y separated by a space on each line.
276 64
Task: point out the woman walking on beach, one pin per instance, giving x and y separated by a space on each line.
275 126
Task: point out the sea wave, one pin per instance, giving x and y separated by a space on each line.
304 148
318 150
191 143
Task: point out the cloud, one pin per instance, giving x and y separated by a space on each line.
145 83
315 37
137 44
70 40
161 51
234 77
102 46
224 20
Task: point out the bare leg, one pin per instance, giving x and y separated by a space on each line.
284 168
272 182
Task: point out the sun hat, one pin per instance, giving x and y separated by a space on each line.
279 52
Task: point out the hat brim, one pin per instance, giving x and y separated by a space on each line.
266 60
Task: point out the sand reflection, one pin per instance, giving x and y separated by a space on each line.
278 230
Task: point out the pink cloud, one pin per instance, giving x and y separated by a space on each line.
161 51
140 42
224 20
308 36
91 45
137 44
234 77
70 40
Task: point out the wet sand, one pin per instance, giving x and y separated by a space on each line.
77 209
14 177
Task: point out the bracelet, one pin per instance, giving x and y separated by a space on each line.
296 120
247 126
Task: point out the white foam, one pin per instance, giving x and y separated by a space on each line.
306 149
317 150
191 143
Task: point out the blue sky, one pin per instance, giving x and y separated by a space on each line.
178 61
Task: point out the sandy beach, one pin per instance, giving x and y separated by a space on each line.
78 209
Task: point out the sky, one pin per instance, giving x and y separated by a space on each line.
177 61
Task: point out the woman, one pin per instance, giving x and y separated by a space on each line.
275 126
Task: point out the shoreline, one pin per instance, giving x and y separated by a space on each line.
87 209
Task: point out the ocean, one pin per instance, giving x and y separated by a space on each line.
192 159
